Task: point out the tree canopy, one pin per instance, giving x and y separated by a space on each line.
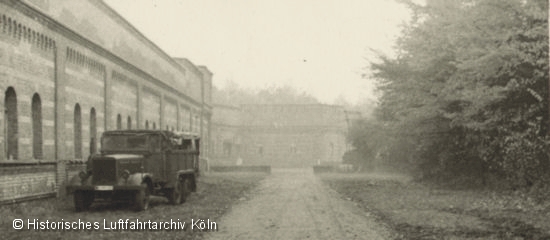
469 89
233 94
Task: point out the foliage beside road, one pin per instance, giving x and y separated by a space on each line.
215 196
466 96
417 211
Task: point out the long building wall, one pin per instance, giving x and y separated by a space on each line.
62 89
279 135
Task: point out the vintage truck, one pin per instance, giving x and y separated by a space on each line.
135 164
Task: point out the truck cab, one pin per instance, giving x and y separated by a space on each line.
134 164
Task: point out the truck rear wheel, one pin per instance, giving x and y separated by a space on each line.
142 198
176 194
186 189
83 200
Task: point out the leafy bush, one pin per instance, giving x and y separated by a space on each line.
467 95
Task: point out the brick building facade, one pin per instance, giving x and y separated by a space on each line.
70 70
279 135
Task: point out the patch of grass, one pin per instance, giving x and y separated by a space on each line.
216 193
416 211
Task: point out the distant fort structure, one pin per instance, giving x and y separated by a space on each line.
278 135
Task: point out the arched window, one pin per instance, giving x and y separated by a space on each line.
261 150
191 122
36 127
154 125
10 115
93 132
227 148
146 124
293 148
77 125
118 121
129 123
197 124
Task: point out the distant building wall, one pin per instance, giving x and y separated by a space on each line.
225 141
279 135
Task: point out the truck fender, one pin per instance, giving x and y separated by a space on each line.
181 174
137 178
187 173
192 176
77 181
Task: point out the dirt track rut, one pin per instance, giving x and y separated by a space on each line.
294 204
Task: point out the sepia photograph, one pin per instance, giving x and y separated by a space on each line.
275 119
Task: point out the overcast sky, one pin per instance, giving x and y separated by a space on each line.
316 46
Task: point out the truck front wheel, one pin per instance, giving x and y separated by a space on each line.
142 198
83 200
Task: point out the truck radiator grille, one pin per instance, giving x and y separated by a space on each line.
104 171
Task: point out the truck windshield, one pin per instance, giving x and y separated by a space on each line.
129 142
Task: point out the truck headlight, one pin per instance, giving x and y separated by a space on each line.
83 175
125 174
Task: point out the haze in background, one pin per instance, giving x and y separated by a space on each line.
320 47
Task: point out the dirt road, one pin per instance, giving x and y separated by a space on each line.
294 204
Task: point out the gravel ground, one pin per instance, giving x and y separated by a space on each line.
216 193
294 204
